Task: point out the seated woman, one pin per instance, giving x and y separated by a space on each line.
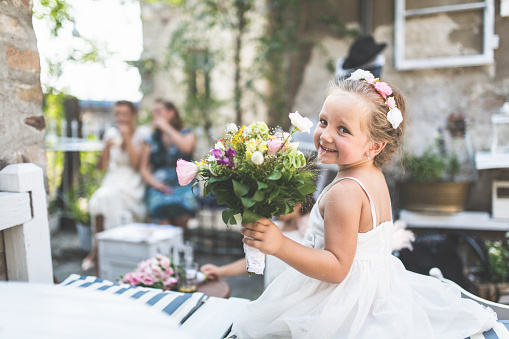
293 225
121 192
167 202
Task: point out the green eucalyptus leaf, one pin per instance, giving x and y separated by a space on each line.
247 202
240 189
275 175
262 185
258 196
274 194
250 216
228 214
217 179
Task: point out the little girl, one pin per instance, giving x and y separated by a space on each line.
344 282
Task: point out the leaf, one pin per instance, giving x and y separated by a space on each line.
247 202
307 188
250 216
262 185
240 189
275 175
274 194
217 179
228 214
258 196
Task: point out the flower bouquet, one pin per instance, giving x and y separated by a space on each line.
157 272
255 172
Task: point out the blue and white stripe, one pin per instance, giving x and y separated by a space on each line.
176 304
500 331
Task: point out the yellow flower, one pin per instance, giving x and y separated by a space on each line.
248 155
251 146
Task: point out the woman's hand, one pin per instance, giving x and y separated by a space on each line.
161 124
212 271
125 131
161 186
268 237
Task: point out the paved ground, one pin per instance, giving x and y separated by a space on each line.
67 257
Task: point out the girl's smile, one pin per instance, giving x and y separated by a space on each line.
339 137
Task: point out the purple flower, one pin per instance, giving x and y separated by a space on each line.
230 153
217 153
224 162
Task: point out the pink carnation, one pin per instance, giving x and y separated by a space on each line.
170 281
148 281
391 103
274 145
186 172
370 79
383 89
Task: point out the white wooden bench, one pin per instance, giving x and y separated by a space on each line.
24 222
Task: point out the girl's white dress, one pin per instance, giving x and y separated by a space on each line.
378 299
120 197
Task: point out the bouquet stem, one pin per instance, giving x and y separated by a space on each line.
255 259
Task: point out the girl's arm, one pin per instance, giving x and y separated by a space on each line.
185 143
235 268
342 212
145 172
104 158
132 151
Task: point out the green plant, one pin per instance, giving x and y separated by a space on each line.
432 166
498 256
78 201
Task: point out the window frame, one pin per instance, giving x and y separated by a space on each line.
490 40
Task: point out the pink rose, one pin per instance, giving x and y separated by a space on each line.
135 280
274 145
168 271
370 79
383 89
170 281
391 103
186 172
148 281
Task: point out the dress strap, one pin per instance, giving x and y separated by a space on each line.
371 204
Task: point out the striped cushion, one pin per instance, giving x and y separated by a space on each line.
178 305
501 331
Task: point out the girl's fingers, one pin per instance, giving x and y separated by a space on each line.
250 242
251 233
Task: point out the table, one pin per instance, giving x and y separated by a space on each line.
29 310
215 288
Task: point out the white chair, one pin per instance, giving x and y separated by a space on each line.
24 222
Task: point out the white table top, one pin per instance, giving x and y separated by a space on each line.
488 160
48 311
140 232
475 221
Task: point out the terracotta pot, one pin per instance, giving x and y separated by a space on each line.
443 197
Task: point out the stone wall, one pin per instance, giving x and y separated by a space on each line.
21 119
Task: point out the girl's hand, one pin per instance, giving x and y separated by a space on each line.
212 271
125 131
268 237
161 124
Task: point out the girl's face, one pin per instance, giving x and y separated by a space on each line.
123 115
339 138
160 112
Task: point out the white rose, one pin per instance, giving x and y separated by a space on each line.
303 124
287 136
359 74
395 117
219 145
231 128
247 132
257 158
211 158
294 145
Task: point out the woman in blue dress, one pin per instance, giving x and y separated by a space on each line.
167 202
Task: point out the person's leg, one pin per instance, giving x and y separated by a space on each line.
164 222
90 260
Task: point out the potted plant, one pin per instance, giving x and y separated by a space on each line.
431 185
498 280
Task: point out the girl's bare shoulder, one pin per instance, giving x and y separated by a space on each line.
345 195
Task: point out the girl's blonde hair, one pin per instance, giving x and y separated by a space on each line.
375 123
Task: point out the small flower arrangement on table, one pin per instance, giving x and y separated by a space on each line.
255 172
157 272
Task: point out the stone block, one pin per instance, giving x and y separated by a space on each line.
24 3
27 61
10 25
30 93
36 122
33 154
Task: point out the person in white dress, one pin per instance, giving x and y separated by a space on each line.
120 197
344 282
